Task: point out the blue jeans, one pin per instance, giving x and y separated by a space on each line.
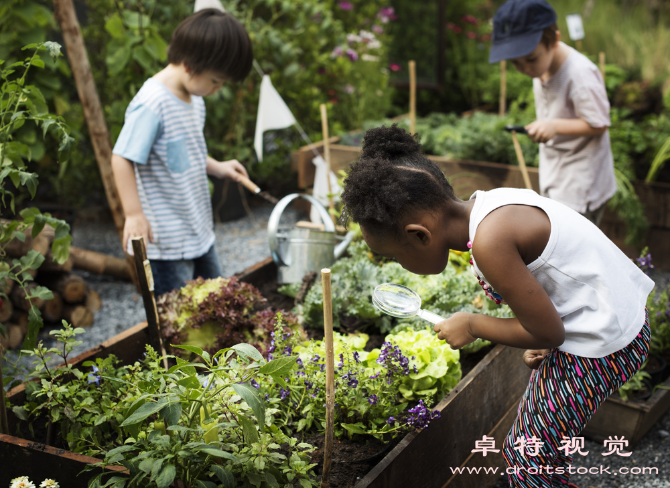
172 274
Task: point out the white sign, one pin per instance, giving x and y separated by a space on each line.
575 26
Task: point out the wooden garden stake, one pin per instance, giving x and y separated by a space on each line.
330 375
503 88
326 154
522 162
146 281
4 427
601 59
97 128
412 97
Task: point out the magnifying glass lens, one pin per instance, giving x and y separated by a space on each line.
396 300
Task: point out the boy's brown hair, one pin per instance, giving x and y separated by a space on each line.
549 36
212 40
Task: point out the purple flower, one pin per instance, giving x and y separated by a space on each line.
267 397
352 55
346 6
421 416
337 52
272 346
288 350
644 263
372 399
254 383
300 373
283 393
357 357
390 420
94 378
315 359
352 382
386 14
340 365
308 384
299 363
377 29
374 376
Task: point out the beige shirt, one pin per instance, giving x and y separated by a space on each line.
576 171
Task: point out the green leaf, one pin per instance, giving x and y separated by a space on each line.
38 63
248 429
250 395
32 260
118 59
133 19
225 476
193 349
171 413
357 428
20 412
249 351
206 484
166 477
189 382
114 26
218 453
145 411
41 292
156 47
305 483
279 366
143 57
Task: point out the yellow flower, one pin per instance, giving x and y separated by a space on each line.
21 482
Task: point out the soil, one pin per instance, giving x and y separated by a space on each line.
351 461
276 300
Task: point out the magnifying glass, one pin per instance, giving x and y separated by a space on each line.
402 302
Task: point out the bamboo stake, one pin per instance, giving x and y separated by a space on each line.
4 426
146 281
326 153
81 69
522 162
601 59
330 376
503 88
412 97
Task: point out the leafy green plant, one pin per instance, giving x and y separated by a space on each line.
634 385
216 313
23 104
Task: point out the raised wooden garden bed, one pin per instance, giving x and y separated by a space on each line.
631 419
483 403
468 176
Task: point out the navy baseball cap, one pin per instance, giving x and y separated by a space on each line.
517 28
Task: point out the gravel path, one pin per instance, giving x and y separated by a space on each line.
242 243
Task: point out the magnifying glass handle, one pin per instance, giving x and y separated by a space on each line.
430 316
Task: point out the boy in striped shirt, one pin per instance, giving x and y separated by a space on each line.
160 159
576 163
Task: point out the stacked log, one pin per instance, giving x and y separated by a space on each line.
73 300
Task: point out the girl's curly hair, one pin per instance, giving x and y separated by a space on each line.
390 179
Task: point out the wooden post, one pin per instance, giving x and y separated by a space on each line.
330 376
503 88
326 154
522 162
88 94
601 59
4 427
412 97
146 281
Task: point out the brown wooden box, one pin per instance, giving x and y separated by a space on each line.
484 402
468 176
631 419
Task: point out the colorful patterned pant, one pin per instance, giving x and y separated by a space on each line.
562 395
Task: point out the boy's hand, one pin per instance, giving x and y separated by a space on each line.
534 357
455 330
232 169
541 130
136 226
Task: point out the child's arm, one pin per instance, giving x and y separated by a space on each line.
502 238
227 169
136 224
543 130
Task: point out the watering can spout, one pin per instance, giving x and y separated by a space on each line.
342 246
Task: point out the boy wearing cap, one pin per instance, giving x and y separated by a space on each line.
576 164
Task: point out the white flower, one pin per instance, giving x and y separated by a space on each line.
369 57
49 484
374 44
367 35
22 482
351 38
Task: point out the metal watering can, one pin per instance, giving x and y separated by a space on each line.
298 251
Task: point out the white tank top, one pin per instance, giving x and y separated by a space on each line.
597 290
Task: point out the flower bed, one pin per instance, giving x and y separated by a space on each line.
502 395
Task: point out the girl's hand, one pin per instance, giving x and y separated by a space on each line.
455 330
136 225
232 169
541 130
534 357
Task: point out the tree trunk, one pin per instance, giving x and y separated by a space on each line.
78 315
93 301
53 309
98 263
50 266
88 94
71 287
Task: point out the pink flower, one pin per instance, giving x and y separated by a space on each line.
337 52
469 19
346 5
485 37
386 14
457 29
394 67
471 35
377 29
353 55
349 89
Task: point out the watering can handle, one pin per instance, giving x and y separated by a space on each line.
277 212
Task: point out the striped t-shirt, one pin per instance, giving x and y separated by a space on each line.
163 136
